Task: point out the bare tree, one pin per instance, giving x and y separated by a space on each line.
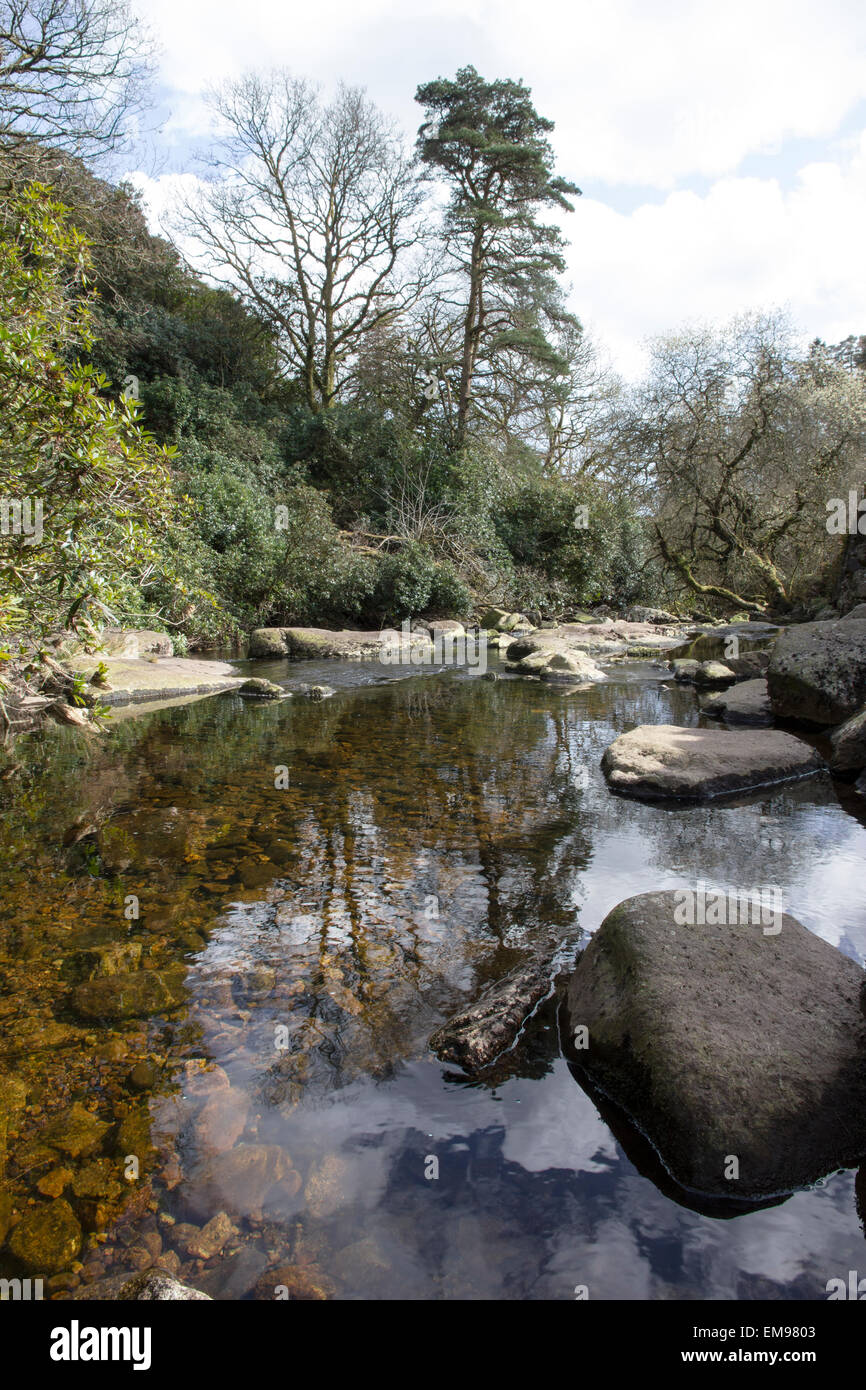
310 214
73 73
746 440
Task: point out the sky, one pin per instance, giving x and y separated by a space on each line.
720 147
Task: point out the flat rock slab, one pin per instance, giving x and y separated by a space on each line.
746 703
617 638
477 1036
132 680
317 643
123 642
817 672
658 761
725 1042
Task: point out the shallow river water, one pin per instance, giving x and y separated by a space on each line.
319 886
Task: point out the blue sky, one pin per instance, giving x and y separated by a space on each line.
721 148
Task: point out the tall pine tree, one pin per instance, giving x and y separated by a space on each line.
489 144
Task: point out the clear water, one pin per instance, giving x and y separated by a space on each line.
434 830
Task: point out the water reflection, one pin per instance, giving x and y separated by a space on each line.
427 834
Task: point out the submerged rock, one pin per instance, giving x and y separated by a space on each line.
293 1283
248 1177
75 1132
737 1049
47 1238
135 995
327 1188
817 672
663 760
203 1242
477 1036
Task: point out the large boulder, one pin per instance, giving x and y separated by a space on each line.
553 661
736 1048
849 744
663 760
746 703
268 643
817 672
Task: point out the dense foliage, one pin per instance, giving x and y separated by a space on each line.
398 419
86 490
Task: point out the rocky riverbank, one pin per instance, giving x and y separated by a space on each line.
736 1047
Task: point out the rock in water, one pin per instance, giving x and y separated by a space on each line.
656 761
746 703
713 673
849 744
256 688
134 995
725 1043
47 1238
817 672
476 1037
151 1285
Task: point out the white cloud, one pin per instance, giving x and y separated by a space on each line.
746 243
641 93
